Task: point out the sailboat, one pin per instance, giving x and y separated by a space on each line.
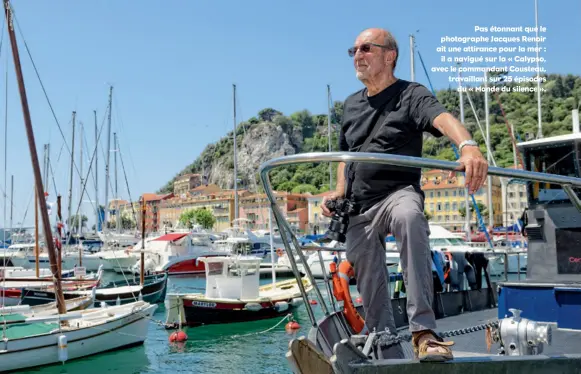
46 340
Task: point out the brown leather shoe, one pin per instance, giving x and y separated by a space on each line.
421 350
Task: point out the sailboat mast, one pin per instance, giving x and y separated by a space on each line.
80 217
6 156
235 161
70 218
117 214
11 202
96 174
329 130
34 158
107 162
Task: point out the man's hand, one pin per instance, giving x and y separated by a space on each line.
332 196
474 166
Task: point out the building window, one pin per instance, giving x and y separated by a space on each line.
438 194
455 206
439 207
447 206
431 193
454 193
446 193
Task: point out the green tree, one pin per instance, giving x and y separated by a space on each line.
188 218
268 114
205 218
202 217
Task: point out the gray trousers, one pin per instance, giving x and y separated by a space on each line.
401 214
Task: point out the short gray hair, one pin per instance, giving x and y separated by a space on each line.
391 44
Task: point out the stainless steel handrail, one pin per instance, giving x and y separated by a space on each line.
396 160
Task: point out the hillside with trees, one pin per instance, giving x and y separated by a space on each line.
273 134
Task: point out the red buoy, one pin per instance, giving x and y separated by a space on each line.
359 300
178 336
292 325
313 302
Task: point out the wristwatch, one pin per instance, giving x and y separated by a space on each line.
465 143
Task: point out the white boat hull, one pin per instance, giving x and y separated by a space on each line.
42 350
90 262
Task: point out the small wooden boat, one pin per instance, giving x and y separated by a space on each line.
114 293
233 294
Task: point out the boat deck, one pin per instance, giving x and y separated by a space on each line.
474 344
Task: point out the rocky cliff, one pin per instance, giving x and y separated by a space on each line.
261 138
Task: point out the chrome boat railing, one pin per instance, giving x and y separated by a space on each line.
568 184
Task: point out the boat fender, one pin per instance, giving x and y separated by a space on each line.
281 306
62 348
254 307
341 292
297 301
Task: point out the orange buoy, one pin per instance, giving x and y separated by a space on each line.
292 325
178 336
313 302
359 300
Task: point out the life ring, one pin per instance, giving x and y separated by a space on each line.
341 292
279 252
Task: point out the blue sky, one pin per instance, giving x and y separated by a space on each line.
173 63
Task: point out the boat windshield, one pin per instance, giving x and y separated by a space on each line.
457 241
559 160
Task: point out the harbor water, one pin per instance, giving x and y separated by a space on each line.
250 347
229 348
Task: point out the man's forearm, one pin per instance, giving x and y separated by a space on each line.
340 178
451 128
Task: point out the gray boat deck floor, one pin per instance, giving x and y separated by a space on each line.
474 344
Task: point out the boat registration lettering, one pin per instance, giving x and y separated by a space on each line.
204 304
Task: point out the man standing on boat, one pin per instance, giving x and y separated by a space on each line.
389 199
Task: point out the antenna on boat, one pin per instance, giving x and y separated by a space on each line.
412 62
34 158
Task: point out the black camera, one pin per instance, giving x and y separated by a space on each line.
340 220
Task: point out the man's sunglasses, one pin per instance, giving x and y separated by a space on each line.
365 48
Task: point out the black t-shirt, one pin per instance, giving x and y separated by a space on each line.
401 134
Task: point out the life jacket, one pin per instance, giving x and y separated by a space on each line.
448 266
341 277
438 267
